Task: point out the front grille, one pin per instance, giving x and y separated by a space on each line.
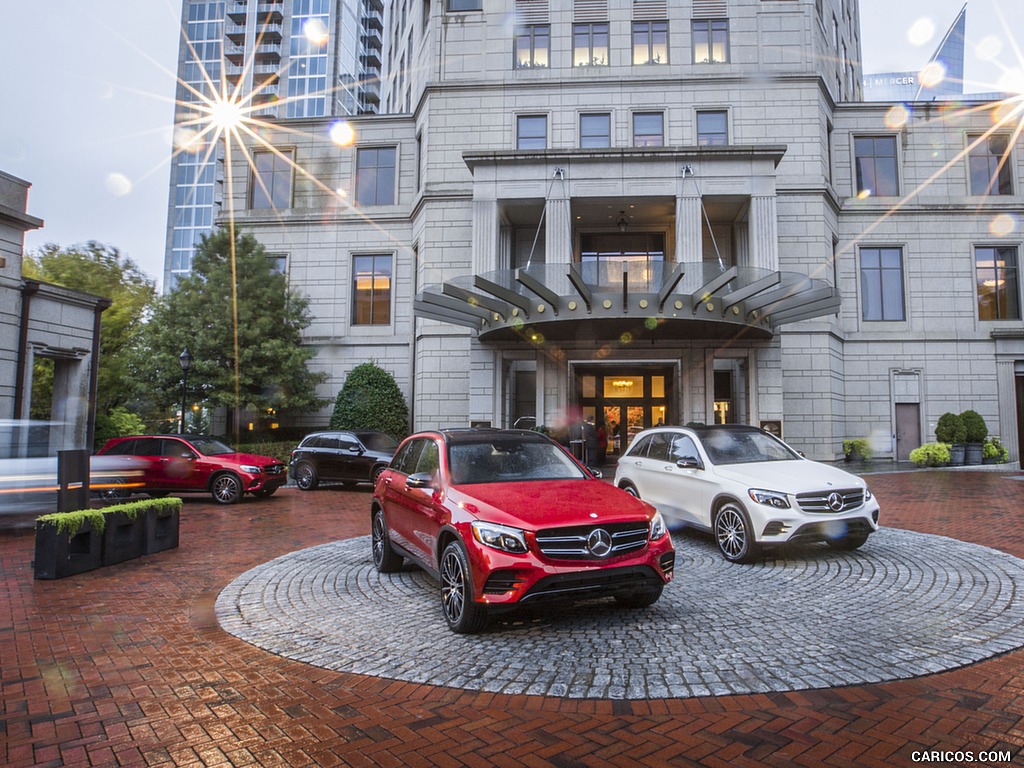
274 469
824 502
572 543
603 581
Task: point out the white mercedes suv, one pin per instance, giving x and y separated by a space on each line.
747 487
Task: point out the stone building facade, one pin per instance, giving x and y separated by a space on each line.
644 211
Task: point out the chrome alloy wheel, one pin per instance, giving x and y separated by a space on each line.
733 535
453 587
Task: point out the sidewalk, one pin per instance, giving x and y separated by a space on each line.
127 666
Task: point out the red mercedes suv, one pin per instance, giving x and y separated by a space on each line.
190 463
506 517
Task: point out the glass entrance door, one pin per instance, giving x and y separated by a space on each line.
624 401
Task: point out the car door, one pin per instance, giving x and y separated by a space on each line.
657 475
692 487
397 498
353 463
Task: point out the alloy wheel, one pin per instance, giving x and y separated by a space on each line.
453 587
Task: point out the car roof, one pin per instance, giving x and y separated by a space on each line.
457 435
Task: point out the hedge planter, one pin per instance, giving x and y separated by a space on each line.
957 453
161 528
973 454
122 537
68 543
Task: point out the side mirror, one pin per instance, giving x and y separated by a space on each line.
420 480
595 472
689 462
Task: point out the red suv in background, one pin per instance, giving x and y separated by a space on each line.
506 517
192 463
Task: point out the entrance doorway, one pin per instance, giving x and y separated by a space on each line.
625 401
908 429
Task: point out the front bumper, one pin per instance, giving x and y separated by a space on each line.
502 579
773 526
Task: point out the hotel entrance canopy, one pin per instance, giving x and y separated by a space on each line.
605 299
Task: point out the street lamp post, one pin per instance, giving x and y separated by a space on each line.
185 359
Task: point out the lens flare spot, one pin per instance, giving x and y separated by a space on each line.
897 117
864 194
1003 225
226 114
315 31
342 134
626 338
988 48
118 184
651 323
1012 81
186 140
933 74
921 31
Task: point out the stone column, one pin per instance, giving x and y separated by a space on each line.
485 236
764 232
689 232
558 229
1006 387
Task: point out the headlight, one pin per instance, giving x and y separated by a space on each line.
769 498
868 496
500 537
658 528
251 469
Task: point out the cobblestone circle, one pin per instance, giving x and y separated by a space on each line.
906 604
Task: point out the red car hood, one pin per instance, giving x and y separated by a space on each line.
246 458
548 503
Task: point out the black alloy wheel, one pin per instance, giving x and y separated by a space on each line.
462 614
385 559
306 477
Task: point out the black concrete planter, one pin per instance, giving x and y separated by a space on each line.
957 453
122 537
160 529
973 454
63 551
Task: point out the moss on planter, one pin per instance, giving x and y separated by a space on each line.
71 522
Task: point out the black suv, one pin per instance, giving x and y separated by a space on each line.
351 457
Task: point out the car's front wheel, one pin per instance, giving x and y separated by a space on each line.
462 614
385 559
306 477
226 488
734 535
115 491
631 490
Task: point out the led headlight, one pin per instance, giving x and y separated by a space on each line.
251 469
500 537
769 498
868 496
658 527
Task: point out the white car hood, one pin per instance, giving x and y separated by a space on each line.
789 476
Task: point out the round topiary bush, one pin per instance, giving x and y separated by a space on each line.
950 429
974 424
370 399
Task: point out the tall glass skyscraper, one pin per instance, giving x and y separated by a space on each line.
292 58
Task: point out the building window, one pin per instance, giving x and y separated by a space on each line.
375 176
989 162
998 284
710 41
465 5
589 44
881 283
650 42
648 129
531 132
712 128
272 180
596 131
531 46
875 158
371 290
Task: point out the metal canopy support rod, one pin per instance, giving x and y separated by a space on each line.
711 287
741 294
826 306
787 291
670 285
453 305
540 289
798 301
581 286
476 300
431 312
500 291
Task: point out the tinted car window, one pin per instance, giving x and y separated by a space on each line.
658 449
508 460
405 460
428 461
682 447
346 444
377 441
147 446
639 448
208 446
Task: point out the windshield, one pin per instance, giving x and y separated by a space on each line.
377 441
724 447
208 446
505 460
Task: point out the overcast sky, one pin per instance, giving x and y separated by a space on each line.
86 113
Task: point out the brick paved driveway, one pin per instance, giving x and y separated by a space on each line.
127 666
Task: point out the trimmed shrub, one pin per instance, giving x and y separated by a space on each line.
975 427
931 455
371 399
950 429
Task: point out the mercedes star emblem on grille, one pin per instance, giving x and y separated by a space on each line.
835 502
599 542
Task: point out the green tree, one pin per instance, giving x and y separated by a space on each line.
370 399
102 271
228 282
